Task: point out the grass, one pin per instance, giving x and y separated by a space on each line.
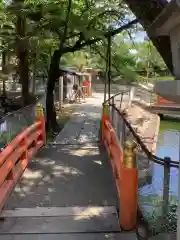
165 78
171 124
154 79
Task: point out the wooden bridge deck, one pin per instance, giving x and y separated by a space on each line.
67 191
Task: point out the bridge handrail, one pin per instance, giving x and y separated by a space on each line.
14 112
151 156
117 94
130 176
14 122
15 156
19 110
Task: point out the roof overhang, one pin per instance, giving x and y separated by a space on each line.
73 72
167 20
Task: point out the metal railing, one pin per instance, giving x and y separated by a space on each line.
14 123
146 162
144 96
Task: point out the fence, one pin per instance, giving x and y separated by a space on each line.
15 155
118 132
148 97
12 124
144 96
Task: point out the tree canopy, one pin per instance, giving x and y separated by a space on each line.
45 34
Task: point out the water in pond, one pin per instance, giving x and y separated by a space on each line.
159 209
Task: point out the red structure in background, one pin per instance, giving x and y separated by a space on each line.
87 85
163 101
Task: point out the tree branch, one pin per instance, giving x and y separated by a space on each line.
65 28
111 12
104 58
80 44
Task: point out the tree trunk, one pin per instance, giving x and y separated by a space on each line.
4 63
33 80
22 54
52 78
24 76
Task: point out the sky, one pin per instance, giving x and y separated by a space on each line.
139 37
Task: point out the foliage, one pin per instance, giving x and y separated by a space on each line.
49 32
123 62
79 59
148 59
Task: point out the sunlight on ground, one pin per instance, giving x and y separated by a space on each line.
28 182
46 161
98 162
59 170
84 152
88 213
33 174
37 178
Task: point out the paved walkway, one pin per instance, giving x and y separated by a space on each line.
73 171
67 191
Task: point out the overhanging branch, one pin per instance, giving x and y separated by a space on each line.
80 44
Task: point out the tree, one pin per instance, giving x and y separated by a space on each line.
79 59
147 11
123 62
83 26
148 59
6 41
71 25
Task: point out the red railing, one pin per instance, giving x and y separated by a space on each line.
126 178
16 155
163 101
116 133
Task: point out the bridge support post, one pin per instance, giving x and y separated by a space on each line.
105 116
178 210
113 112
165 204
131 96
40 117
128 187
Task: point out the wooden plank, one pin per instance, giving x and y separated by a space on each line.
8 165
82 236
8 185
63 224
58 211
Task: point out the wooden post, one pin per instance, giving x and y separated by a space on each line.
178 211
39 113
112 112
128 188
118 127
105 116
166 191
109 65
61 91
131 96
90 88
